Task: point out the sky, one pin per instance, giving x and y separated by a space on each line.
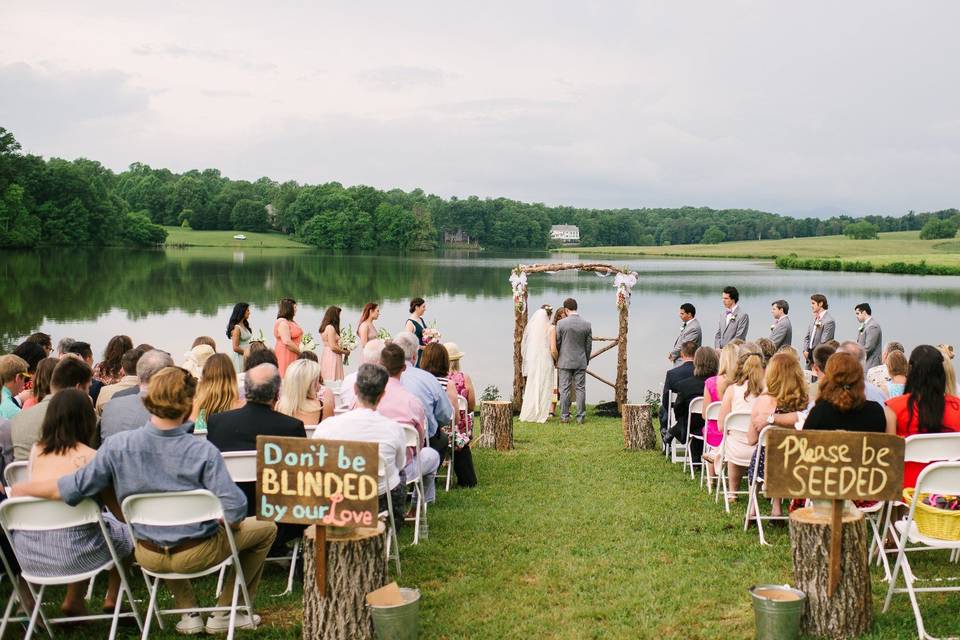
805 108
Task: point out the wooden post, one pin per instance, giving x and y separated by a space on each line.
638 427
620 391
848 611
356 565
520 323
496 419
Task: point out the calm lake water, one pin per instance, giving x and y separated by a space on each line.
169 297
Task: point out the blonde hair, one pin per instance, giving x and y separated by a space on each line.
750 369
728 362
948 370
11 366
299 386
785 382
217 391
170 393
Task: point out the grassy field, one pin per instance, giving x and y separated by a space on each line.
180 237
898 246
570 537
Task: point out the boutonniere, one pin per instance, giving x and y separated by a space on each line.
818 324
683 326
861 329
773 326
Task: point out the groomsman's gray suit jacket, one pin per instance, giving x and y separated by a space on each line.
574 343
871 339
821 334
735 328
691 332
782 332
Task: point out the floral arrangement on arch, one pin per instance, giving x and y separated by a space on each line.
624 282
518 282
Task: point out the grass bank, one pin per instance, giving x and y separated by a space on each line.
895 252
570 537
180 237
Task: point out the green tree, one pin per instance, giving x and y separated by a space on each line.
862 230
249 215
18 227
935 229
713 235
139 230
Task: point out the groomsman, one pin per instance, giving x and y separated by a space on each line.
689 332
781 331
822 326
870 337
733 323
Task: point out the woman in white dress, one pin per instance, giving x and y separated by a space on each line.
538 368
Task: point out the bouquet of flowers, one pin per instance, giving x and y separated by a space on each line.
431 333
307 343
348 342
383 334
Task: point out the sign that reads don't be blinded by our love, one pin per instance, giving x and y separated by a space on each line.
322 482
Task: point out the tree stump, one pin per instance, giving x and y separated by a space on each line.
638 427
496 418
356 565
849 613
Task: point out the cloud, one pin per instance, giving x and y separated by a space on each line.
177 51
225 93
397 78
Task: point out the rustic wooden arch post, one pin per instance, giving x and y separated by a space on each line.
623 282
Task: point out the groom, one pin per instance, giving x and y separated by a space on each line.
574 343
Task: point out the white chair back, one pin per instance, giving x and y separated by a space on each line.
16 472
929 447
808 376
310 429
172 509
737 421
241 465
412 436
939 477
696 406
462 404
35 514
712 412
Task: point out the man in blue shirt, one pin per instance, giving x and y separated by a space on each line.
423 385
13 371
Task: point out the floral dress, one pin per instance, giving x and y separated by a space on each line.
464 418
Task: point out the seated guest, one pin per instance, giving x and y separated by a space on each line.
370 355
32 353
68 426
436 360
127 412
110 370
705 363
923 407
216 392
302 395
366 424
682 371
821 353
70 373
13 376
42 339
401 406
41 382
164 457
424 386
63 347
83 350
948 370
204 340
879 374
896 380
842 403
194 359
309 355
872 391
129 380
258 354
767 349
740 397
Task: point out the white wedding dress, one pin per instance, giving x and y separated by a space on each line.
538 368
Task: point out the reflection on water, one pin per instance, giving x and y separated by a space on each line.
169 297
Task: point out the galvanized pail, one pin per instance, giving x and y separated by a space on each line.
400 621
777 609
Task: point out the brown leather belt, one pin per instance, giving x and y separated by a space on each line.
183 546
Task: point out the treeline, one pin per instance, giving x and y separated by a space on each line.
82 202
862 266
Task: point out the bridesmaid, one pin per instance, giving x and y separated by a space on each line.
288 334
331 360
239 332
365 330
416 324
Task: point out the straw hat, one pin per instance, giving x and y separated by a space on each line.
453 351
196 358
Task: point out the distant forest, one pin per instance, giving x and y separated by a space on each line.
81 202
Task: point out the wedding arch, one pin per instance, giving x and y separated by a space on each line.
623 281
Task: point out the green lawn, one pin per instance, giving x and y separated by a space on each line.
570 537
178 236
898 246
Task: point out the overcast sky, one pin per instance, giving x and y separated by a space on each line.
800 108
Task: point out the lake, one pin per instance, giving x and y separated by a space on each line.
168 297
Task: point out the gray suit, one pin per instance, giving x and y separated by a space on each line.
736 328
819 335
574 345
782 332
123 414
871 339
691 332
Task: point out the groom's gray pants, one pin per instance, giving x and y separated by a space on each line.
578 378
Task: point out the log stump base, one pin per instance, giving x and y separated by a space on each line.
496 420
638 431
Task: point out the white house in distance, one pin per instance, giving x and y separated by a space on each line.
565 233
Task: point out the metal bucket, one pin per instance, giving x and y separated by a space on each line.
777 609
401 621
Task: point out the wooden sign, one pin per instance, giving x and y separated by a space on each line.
322 482
833 465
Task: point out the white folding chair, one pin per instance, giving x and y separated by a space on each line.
34 514
808 376
15 597
420 517
755 492
668 450
242 467
735 421
180 508
712 412
939 477
16 472
461 407
392 541
696 408
309 429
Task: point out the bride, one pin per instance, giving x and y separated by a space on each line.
538 369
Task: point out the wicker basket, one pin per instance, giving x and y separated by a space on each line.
931 521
